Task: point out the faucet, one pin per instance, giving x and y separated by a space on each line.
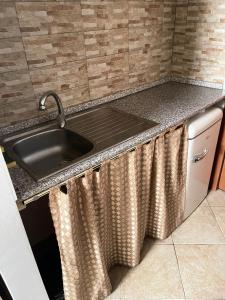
61 116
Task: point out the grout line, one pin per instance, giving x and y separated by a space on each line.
187 4
28 71
85 54
179 271
218 225
174 28
172 235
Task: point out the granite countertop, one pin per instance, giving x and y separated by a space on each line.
168 104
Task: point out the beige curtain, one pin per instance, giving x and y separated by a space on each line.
105 215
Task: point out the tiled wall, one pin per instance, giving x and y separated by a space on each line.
87 49
199 40
83 50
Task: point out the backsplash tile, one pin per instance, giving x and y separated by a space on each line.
144 54
107 14
87 49
74 96
144 13
210 11
59 78
46 50
17 97
199 41
39 18
137 13
15 86
12 55
9 26
82 49
106 42
108 74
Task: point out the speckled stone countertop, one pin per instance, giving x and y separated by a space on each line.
169 104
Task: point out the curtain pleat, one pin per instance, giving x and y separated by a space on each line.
106 214
168 183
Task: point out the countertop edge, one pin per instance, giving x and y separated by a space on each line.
108 153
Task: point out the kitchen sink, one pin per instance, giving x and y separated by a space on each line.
50 150
46 149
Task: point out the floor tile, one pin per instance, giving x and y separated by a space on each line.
216 198
202 270
200 228
201 266
156 277
219 213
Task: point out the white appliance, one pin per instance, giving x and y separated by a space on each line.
203 131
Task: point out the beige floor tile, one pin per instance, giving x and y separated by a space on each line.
216 198
200 228
156 277
202 270
219 213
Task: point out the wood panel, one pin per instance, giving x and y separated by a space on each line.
218 172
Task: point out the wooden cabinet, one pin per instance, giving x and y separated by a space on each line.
218 172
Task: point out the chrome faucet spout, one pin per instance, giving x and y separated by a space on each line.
42 106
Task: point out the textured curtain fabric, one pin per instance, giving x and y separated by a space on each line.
104 216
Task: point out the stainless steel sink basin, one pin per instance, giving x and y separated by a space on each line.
45 149
46 152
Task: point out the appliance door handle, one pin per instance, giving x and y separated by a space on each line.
200 156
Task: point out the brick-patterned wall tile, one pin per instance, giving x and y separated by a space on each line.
61 38
206 11
179 41
107 14
137 13
144 54
16 112
181 14
107 75
143 13
203 44
69 80
179 36
9 26
37 18
205 72
169 11
199 42
142 77
46 50
140 39
17 99
15 86
12 56
166 49
106 42
77 95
